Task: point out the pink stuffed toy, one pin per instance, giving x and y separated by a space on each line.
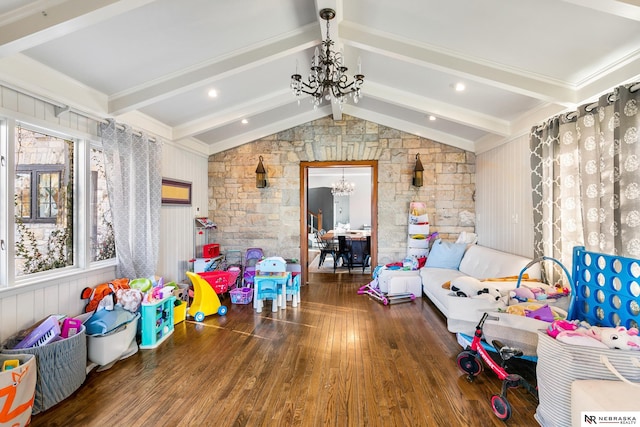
558 326
574 332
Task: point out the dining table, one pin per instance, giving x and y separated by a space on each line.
357 240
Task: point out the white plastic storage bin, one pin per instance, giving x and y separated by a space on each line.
104 349
418 243
417 252
418 219
419 229
404 285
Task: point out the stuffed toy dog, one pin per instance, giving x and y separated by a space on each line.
471 287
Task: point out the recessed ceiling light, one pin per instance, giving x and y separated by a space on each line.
459 87
245 121
213 93
432 118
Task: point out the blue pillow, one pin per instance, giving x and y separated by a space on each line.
445 254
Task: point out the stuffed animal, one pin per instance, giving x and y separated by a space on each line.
96 294
129 299
489 293
522 294
620 338
466 286
558 326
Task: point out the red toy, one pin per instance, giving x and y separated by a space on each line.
469 361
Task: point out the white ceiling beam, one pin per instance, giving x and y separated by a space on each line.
624 71
520 126
252 135
233 114
629 9
31 75
427 56
237 62
409 127
439 109
41 21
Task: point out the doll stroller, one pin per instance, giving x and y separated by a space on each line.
251 259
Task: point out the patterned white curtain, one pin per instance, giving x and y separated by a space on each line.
586 178
134 181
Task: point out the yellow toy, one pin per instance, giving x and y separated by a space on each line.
205 299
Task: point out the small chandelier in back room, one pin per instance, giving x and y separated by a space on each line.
342 187
328 79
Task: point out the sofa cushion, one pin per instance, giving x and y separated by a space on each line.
483 263
445 254
480 263
432 280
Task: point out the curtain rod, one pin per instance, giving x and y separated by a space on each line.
572 114
60 108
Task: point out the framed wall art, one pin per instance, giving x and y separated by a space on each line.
175 192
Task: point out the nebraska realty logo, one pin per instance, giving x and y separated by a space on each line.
610 418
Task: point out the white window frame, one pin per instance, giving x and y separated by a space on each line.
81 200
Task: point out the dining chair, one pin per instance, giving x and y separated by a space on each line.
326 248
366 254
343 253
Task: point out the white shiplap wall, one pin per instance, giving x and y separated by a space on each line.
504 218
22 306
177 227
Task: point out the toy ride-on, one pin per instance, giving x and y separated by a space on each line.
205 300
470 361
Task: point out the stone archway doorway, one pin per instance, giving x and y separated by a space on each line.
304 207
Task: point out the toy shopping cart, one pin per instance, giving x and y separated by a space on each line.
205 299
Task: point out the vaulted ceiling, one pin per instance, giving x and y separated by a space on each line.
153 62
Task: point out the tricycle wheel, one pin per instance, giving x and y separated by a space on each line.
199 316
468 362
501 407
222 310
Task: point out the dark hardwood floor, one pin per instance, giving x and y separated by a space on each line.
339 359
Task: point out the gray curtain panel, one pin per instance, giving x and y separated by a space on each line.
586 180
134 180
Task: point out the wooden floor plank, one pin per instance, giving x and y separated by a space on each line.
339 359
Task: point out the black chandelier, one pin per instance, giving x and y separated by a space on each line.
328 79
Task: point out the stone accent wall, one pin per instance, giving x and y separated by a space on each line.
269 218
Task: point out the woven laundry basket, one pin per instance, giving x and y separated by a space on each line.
559 364
62 368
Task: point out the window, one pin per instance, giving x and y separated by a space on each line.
43 195
103 245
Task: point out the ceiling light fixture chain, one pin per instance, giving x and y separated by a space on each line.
342 187
328 79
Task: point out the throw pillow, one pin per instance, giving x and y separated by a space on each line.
445 254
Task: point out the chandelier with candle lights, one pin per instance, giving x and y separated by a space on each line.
328 79
342 187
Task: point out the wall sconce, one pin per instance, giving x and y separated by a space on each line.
261 175
417 172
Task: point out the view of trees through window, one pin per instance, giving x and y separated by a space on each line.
44 203
103 245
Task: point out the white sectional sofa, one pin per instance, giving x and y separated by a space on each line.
479 262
